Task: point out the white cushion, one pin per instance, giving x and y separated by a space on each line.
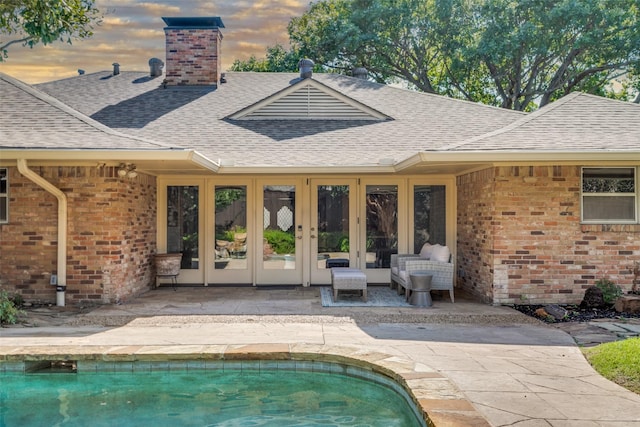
394 270
440 253
403 275
426 251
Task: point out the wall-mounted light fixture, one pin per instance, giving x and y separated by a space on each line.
127 170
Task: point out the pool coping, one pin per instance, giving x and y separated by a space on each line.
441 402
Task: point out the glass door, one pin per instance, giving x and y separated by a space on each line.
384 212
183 229
333 233
232 243
279 233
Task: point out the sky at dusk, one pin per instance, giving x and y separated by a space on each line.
132 32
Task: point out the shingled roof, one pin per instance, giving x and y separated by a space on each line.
132 111
30 119
198 118
577 122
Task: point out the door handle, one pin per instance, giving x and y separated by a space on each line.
298 237
313 236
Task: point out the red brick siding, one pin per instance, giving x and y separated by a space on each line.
111 235
540 252
475 242
193 56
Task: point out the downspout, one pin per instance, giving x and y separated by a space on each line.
62 226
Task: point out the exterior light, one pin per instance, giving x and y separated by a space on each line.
122 170
127 170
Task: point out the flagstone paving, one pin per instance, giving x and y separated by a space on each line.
467 364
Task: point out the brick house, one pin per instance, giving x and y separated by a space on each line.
259 178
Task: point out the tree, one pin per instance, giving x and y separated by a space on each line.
513 54
29 22
278 60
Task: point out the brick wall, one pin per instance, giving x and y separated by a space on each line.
111 235
539 253
192 56
475 242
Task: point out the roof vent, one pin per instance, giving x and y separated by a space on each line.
360 73
306 68
155 67
80 71
116 68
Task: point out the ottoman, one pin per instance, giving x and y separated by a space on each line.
347 279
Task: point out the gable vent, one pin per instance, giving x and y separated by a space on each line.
310 101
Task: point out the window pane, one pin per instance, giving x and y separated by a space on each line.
382 224
279 246
182 224
609 208
231 227
429 216
3 181
608 180
333 223
3 209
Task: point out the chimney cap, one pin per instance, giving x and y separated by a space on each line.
193 22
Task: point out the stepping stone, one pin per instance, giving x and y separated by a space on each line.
609 327
629 327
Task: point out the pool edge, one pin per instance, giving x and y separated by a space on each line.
441 402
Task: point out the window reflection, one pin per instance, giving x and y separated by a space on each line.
279 244
182 224
429 216
231 245
381 224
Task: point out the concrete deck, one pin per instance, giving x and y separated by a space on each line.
467 364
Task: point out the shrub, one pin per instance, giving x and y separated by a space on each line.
610 291
9 311
281 242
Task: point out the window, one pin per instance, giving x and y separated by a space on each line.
609 195
182 224
429 216
4 196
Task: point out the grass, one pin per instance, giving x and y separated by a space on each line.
617 361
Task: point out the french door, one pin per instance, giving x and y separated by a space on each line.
333 230
291 230
279 232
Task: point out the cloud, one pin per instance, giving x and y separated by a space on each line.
132 32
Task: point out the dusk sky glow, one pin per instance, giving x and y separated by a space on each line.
132 32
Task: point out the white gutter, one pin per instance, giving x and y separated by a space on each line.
62 223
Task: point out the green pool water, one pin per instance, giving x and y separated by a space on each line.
183 397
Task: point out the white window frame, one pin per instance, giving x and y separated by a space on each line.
635 195
4 216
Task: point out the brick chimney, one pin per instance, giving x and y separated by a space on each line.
193 50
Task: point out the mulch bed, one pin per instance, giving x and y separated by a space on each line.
577 314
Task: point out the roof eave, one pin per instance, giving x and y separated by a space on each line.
75 156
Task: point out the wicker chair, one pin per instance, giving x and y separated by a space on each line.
442 273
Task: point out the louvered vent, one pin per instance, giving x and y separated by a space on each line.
309 102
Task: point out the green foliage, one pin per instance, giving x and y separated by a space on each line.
281 242
226 196
617 361
610 291
278 60
230 235
512 54
29 22
9 310
336 241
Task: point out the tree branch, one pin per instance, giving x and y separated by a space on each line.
9 43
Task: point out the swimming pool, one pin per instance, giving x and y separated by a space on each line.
203 392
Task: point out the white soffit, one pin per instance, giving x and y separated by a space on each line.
308 100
